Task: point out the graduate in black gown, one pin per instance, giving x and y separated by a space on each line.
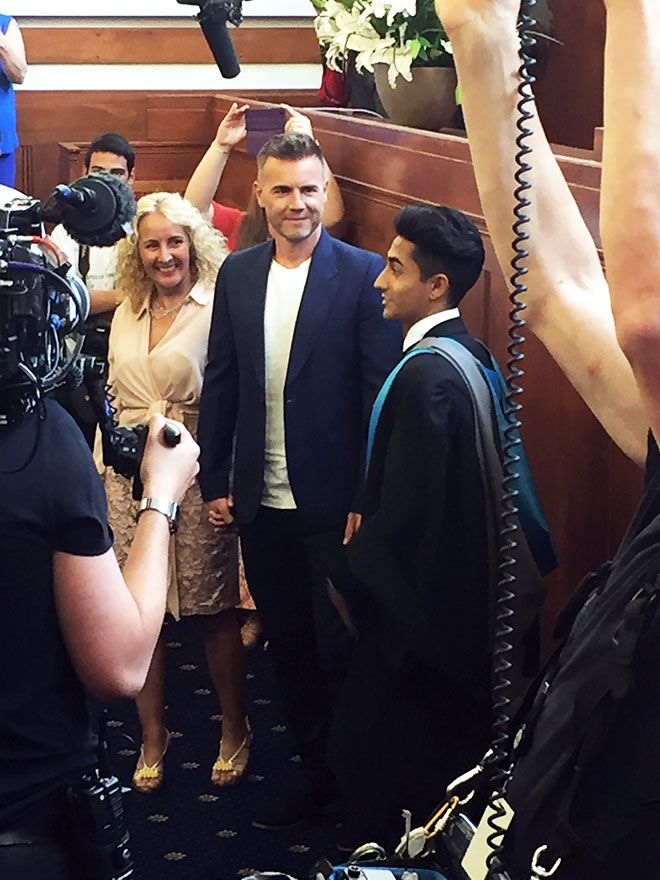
416 711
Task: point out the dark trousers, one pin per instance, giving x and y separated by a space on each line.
286 562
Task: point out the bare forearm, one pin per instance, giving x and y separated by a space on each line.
568 299
630 196
105 300
204 183
145 570
566 249
630 205
12 54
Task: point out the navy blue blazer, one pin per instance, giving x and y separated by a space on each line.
342 350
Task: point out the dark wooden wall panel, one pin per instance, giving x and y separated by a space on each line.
48 118
570 87
170 45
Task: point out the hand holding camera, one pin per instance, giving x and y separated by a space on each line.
169 466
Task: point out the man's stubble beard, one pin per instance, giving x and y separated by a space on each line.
315 222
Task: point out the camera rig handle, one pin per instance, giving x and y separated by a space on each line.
123 445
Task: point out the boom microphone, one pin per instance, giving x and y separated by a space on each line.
213 17
95 210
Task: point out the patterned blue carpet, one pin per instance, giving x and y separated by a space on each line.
189 829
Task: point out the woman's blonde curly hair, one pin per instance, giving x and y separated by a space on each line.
208 248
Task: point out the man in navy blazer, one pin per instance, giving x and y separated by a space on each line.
298 350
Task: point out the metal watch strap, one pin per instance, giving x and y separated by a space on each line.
170 509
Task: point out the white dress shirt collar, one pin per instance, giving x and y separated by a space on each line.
420 328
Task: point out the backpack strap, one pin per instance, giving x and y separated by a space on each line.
529 590
381 397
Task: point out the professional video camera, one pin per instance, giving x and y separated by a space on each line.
42 307
213 17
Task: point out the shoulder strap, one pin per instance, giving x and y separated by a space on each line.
530 510
381 397
528 592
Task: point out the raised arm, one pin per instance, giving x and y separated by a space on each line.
205 180
12 54
630 195
568 300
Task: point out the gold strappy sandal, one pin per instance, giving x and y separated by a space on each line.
227 771
148 778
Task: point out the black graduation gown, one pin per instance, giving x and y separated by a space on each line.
415 709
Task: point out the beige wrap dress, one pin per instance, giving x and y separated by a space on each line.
168 379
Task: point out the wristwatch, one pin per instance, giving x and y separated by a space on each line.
170 509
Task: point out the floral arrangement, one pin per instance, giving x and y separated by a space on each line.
399 33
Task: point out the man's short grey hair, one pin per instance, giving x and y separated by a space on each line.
289 148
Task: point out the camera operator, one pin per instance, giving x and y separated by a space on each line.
72 623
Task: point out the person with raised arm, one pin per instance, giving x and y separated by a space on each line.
568 303
585 784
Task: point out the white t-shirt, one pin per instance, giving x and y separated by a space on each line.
102 260
284 293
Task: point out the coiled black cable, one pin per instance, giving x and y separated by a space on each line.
499 763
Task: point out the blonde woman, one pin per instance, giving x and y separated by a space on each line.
158 342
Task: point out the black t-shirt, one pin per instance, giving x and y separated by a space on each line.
618 790
51 498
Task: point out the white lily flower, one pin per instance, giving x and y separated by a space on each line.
342 29
392 8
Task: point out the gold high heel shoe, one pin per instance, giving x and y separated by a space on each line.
149 777
227 771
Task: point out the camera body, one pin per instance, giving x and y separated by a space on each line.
40 308
97 815
43 309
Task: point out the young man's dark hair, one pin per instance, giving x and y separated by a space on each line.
111 142
289 147
446 242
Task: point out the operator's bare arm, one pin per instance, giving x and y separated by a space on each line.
105 300
568 301
630 195
111 621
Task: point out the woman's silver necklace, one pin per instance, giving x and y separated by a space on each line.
158 312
